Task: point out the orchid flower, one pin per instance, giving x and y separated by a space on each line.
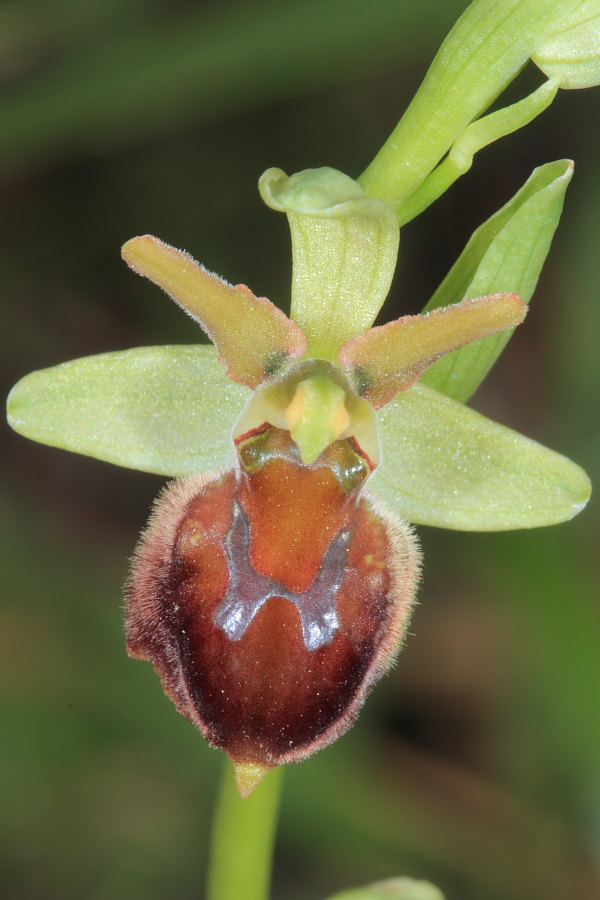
275 581
272 589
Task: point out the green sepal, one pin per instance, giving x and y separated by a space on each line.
167 410
571 54
344 251
505 254
392 889
444 464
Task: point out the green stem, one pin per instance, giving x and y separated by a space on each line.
486 49
474 138
242 840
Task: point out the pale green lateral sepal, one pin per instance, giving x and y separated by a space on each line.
444 464
167 410
571 53
392 889
254 338
344 250
506 254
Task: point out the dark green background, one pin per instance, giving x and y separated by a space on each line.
476 763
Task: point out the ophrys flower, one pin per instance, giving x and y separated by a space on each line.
271 594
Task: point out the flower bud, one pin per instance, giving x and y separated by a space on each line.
271 598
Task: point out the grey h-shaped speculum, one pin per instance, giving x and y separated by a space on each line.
248 590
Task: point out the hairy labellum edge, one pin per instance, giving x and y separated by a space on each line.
156 631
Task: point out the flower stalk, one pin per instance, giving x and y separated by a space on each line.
243 835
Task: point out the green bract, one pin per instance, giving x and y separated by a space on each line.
171 410
505 253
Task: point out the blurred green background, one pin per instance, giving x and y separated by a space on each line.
476 763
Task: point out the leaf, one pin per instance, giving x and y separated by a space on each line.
253 337
167 410
444 464
505 254
392 889
571 54
391 357
344 248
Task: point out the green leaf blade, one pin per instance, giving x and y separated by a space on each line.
505 254
167 410
446 465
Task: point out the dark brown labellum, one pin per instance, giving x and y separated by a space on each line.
270 598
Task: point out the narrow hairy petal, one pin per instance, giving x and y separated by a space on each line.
390 358
252 335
